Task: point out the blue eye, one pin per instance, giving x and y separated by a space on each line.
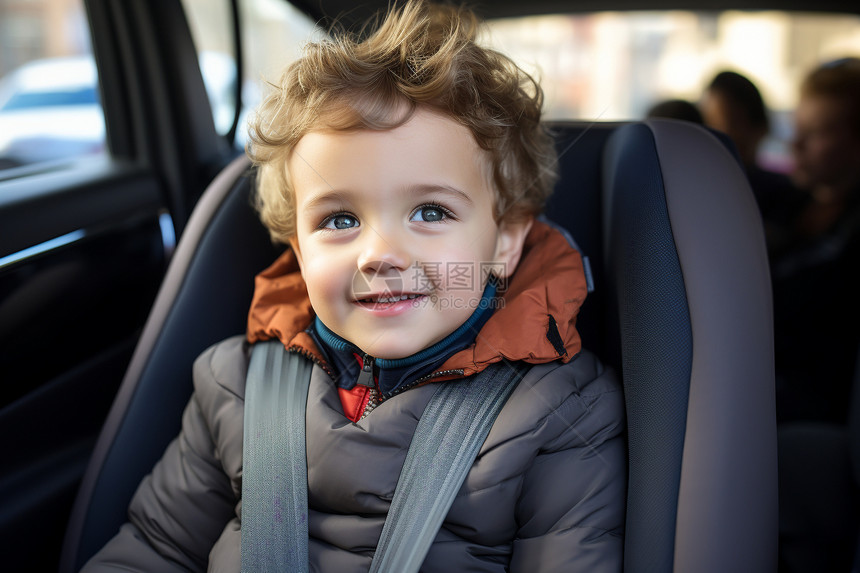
429 214
340 222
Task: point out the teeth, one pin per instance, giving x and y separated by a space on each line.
393 298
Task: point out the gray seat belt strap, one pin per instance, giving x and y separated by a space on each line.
274 465
449 435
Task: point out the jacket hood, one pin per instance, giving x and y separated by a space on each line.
536 322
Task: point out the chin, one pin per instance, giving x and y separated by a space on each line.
392 350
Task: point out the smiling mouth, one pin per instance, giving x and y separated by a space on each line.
385 299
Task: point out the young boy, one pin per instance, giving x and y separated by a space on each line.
405 172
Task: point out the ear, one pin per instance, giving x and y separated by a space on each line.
294 245
509 246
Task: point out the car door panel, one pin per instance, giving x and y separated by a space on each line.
83 248
70 313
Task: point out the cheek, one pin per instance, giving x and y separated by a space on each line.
320 292
463 269
324 277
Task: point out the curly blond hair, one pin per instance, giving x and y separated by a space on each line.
420 55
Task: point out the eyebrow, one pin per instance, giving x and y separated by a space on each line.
327 197
426 189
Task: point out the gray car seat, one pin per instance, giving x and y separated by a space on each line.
681 309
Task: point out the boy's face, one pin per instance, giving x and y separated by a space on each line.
395 231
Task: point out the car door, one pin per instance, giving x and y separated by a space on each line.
85 238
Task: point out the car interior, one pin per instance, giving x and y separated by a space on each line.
116 271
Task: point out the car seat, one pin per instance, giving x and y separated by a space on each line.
819 491
681 309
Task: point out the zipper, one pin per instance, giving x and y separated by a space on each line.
457 371
310 356
365 377
420 381
378 398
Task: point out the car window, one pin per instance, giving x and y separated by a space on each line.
272 32
616 65
50 108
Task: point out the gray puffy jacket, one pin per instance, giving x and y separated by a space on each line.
546 492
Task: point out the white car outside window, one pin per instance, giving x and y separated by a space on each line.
50 110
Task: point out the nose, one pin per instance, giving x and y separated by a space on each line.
383 253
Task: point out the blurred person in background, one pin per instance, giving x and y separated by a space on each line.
676 109
827 148
816 282
816 269
733 105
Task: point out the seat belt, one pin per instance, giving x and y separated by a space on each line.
446 442
274 469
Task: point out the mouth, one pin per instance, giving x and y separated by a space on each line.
388 298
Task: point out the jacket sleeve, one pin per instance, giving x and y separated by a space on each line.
180 509
572 505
